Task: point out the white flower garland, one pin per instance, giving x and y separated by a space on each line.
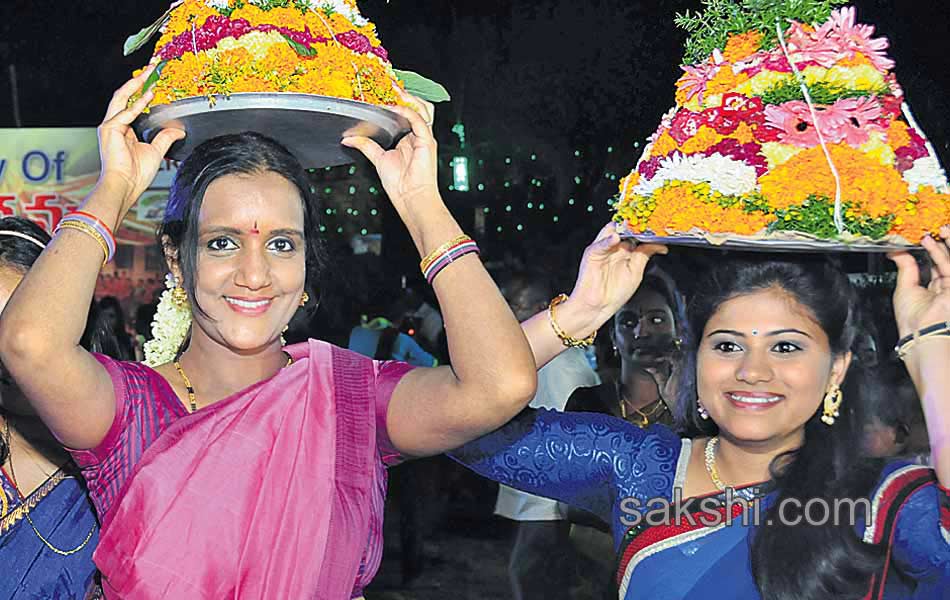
724 174
169 328
926 171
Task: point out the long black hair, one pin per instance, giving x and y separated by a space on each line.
245 153
801 562
21 243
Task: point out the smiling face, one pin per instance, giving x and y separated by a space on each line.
250 262
763 367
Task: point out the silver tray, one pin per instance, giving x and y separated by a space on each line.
310 126
767 245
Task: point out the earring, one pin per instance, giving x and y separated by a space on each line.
703 413
832 403
283 342
304 299
179 295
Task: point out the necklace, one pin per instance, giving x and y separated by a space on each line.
26 505
641 418
192 400
710 455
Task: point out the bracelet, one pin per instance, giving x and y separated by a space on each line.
441 250
907 343
448 258
96 224
88 230
567 340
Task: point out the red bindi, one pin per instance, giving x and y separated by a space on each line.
254 230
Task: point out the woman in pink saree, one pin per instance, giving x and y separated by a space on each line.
240 468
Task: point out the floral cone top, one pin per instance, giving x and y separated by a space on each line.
324 47
740 153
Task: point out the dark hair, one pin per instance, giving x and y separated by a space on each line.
800 562
19 254
246 153
661 282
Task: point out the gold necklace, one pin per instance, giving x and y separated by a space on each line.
26 505
710 456
192 400
642 417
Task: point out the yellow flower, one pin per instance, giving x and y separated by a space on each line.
663 145
705 138
897 134
742 46
762 82
876 147
778 154
258 43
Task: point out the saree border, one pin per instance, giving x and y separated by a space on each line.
30 502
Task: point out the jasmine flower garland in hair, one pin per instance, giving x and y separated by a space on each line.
169 328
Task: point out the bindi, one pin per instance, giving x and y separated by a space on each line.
255 230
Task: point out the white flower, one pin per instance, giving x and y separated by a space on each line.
217 4
926 171
169 328
723 174
340 6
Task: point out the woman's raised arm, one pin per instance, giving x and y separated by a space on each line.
41 326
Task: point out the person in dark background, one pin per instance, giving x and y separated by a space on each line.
114 316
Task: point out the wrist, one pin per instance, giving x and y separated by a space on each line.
107 199
577 319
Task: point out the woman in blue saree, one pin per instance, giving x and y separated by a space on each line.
773 420
48 528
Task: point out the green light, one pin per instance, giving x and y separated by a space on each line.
352 189
313 190
459 130
530 204
451 188
323 228
577 153
328 168
520 227
571 202
486 210
499 229
339 230
577 179
590 208
373 212
481 187
349 211
636 144
610 149
356 213
508 161
556 218
480 162
352 170
363 232
507 184
460 173
541 206
328 190
329 211
534 157
372 189
508 208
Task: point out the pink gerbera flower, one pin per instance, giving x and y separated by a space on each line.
839 38
848 120
696 79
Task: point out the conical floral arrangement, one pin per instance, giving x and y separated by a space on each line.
789 124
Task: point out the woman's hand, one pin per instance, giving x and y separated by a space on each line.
916 306
408 171
610 272
127 163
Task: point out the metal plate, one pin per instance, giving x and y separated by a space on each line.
310 126
767 245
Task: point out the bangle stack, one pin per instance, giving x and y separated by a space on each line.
92 226
907 343
570 342
446 254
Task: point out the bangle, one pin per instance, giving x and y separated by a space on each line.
452 255
567 340
97 225
441 250
88 230
907 343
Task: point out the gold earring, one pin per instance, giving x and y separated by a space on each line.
832 403
179 296
304 299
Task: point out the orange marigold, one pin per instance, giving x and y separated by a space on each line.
683 206
743 133
725 81
705 138
742 46
248 83
877 189
897 134
926 214
280 58
181 19
663 145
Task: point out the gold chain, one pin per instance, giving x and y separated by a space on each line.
192 400
710 453
6 432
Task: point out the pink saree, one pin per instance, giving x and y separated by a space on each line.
266 494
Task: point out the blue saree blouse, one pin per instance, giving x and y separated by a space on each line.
61 511
619 472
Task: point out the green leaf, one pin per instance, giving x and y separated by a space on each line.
134 42
421 87
156 74
299 48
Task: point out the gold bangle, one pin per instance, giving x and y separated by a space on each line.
435 254
919 337
90 231
567 340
